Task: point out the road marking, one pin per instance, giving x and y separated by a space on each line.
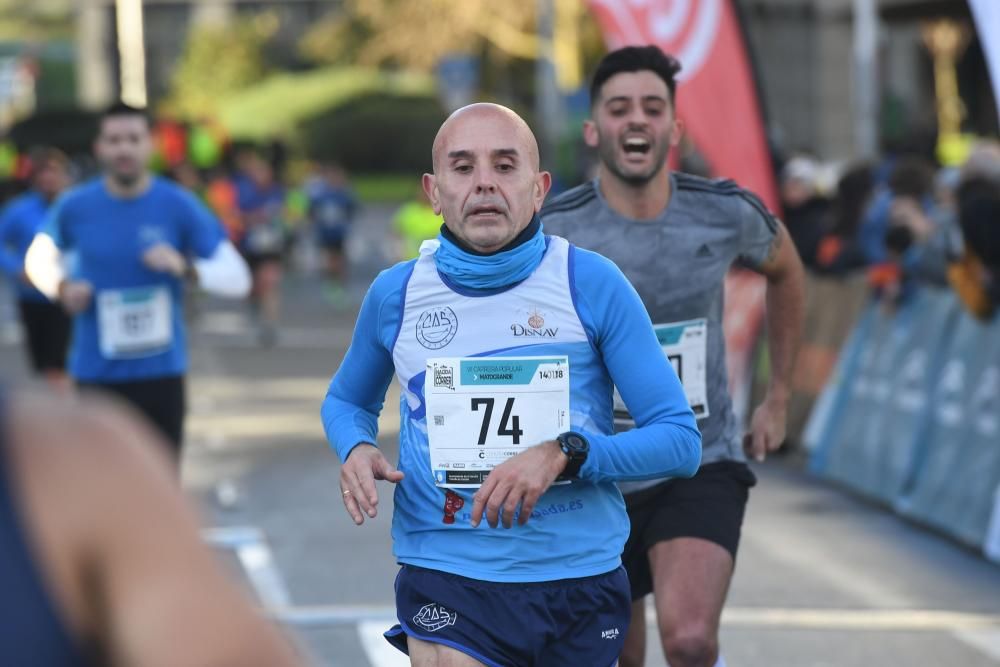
255 557
379 652
857 619
985 640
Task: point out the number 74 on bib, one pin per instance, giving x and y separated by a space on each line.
482 411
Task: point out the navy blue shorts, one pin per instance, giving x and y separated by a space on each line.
568 622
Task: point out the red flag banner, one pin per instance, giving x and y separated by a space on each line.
717 100
716 97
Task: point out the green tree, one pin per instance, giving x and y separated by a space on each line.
217 60
22 21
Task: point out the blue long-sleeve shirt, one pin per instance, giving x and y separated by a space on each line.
20 220
617 345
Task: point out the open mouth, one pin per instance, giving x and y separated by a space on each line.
486 211
636 145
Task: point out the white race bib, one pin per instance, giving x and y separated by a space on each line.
265 238
684 345
134 322
482 411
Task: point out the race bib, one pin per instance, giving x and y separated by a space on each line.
481 411
684 345
134 322
265 238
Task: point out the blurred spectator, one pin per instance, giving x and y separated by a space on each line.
187 175
805 211
46 324
839 251
913 178
975 275
332 208
261 201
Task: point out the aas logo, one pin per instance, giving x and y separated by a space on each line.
436 327
432 617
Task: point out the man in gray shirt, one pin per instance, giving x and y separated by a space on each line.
675 236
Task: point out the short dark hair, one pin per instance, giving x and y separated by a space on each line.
44 156
121 109
636 59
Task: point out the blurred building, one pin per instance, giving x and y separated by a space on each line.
804 55
803 51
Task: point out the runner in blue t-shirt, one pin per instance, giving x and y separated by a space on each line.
505 344
46 325
131 240
332 208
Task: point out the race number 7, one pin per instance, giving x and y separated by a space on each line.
509 424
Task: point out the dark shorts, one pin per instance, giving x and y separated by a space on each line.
562 623
709 506
161 400
255 261
46 330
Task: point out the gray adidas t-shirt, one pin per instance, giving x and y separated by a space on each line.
678 263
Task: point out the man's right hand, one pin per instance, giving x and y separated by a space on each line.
75 296
363 466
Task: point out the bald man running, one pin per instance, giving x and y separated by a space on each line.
505 344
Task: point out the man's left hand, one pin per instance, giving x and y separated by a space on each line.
165 258
518 481
767 429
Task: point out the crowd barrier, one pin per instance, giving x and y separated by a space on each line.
911 416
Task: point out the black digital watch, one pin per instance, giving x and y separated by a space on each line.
576 448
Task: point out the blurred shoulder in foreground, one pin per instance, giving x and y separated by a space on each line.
100 556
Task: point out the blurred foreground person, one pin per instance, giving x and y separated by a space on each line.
100 558
46 324
134 240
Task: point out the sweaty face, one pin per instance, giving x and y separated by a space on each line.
486 182
124 147
633 126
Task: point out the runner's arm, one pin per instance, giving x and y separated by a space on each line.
666 441
44 265
357 392
44 262
769 250
225 273
10 262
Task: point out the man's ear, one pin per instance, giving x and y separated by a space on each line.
430 189
543 182
590 133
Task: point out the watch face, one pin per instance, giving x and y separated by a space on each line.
575 442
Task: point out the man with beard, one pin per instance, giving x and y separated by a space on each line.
495 314
131 240
675 236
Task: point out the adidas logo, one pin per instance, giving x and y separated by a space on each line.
704 251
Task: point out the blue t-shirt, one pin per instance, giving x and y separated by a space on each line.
20 221
108 236
332 211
